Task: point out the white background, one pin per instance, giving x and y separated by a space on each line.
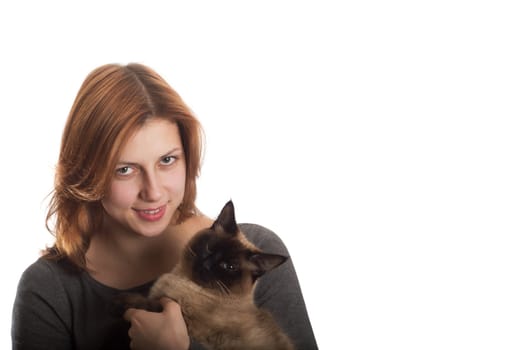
384 141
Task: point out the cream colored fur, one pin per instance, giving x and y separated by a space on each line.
220 321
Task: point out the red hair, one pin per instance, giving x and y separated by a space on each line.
113 102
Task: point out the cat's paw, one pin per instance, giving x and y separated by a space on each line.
164 284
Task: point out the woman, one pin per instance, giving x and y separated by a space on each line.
123 207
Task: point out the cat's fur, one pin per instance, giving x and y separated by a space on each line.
214 283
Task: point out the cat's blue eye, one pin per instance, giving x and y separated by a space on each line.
228 266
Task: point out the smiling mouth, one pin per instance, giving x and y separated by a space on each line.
151 211
151 214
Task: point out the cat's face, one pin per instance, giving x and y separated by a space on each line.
221 259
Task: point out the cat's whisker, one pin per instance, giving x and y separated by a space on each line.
192 251
223 287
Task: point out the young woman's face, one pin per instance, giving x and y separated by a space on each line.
149 180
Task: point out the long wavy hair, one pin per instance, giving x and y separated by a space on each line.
112 103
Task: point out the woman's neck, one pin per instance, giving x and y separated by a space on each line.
123 261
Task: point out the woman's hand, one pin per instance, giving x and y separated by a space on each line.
162 331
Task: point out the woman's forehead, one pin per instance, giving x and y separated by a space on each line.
156 137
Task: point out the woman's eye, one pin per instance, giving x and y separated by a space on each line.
168 160
125 170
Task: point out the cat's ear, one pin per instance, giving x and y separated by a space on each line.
226 221
265 262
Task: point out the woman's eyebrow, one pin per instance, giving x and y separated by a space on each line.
173 150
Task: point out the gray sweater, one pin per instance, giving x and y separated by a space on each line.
57 307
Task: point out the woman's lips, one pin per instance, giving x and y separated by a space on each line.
151 214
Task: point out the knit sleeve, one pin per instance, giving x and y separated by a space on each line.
279 290
41 317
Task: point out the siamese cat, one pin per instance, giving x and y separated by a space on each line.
213 283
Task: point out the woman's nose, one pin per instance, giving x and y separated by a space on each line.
151 187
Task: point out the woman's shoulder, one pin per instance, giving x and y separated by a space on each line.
46 273
41 291
264 238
